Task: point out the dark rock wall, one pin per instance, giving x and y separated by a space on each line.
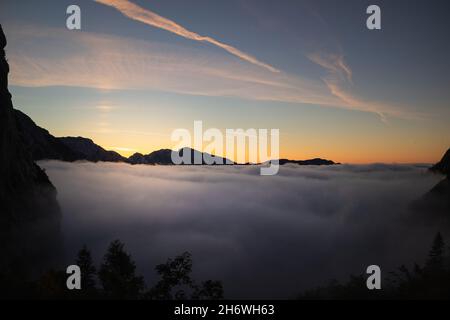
29 211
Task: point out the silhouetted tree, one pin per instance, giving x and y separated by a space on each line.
174 273
88 273
209 290
118 274
435 262
355 288
176 282
117 280
429 282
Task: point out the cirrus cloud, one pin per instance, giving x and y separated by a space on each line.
41 57
148 17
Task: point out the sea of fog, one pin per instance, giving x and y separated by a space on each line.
262 236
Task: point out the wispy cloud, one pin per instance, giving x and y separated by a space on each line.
111 62
339 80
334 63
146 16
57 57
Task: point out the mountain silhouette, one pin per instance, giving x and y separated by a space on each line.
437 200
86 149
443 166
44 146
29 211
159 157
310 162
438 197
41 143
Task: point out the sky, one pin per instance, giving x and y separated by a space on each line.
137 70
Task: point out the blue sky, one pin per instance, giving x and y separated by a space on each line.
342 91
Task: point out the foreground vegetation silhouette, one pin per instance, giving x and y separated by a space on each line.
430 281
115 279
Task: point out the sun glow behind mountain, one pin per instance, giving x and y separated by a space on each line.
127 81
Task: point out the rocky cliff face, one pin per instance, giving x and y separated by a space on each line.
86 149
443 166
438 198
435 204
29 211
40 143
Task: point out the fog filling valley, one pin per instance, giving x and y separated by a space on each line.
262 236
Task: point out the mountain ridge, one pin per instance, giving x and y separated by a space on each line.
44 146
443 166
437 200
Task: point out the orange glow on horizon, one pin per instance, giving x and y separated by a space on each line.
405 157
